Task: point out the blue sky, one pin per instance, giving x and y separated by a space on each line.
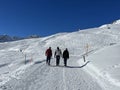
47 17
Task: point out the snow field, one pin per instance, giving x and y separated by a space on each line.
99 72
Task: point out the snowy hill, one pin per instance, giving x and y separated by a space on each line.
27 70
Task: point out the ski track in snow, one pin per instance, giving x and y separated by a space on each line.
64 82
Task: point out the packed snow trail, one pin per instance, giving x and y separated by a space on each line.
42 77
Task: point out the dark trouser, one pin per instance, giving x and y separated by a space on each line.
57 60
48 60
65 61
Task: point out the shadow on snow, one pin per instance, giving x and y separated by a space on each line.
71 66
38 62
3 65
78 66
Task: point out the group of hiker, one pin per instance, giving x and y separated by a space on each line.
58 54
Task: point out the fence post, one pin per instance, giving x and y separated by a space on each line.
84 58
25 59
87 47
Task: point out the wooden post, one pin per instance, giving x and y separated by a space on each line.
24 55
87 46
84 58
25 59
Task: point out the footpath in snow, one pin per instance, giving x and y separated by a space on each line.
39 76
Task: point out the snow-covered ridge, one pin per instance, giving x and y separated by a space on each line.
105 26
6 38
116 22
109 25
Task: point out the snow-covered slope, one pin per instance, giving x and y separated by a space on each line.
105 67
22 63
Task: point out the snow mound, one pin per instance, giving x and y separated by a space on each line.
109 25
116 22
104 26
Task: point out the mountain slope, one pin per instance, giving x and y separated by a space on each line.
15 74
7 38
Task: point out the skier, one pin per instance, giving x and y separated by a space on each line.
48 54
65 56
57 55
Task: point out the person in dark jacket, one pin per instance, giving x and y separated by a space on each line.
57 55
65 56
48 54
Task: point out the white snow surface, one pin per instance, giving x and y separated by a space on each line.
109 25
117 22
100 71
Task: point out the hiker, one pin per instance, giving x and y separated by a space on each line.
65 56
57 55
48 54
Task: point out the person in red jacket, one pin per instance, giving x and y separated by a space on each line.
48 54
